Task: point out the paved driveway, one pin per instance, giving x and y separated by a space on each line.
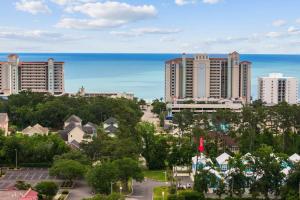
144 190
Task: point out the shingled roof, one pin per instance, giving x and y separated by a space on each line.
64 133
111 120
74 118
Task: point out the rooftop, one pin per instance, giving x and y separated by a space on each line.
276 75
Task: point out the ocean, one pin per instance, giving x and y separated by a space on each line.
143 74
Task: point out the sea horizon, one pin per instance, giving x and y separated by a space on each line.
143 73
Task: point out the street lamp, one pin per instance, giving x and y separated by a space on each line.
16 158
111 187
121 189
163 195
165 172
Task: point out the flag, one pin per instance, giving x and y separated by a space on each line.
201 145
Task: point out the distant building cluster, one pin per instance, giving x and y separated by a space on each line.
277 88
205 84
45 77
206 77
82 93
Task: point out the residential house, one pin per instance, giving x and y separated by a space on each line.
36 129
200 162
111 126
90 129
222 161
74 133
4 123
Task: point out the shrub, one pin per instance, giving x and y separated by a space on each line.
21 185
192 195
172 189
47 188
172 197
65 192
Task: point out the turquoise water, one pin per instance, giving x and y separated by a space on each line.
143 74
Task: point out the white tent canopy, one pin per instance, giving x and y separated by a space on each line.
294 158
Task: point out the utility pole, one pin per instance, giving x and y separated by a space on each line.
16 158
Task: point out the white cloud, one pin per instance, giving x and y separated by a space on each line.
279 23
167 39
298 21
32 6
106 14
71 2
36 35
274 34
144 31
211 1
293 30
184 2
72 23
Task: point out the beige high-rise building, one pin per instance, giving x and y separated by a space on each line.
16 76
205 77
277 88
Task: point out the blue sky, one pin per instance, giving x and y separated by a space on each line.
156 26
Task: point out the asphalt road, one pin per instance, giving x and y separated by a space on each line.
144 190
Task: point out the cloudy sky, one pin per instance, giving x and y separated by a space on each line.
158 26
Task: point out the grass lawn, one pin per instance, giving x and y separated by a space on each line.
157 193
158 175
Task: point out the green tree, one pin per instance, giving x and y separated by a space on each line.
154 147
237 179
180 152
101 177
47 188
74 155
268 168
128 169
203 180
158 106
67 169
184 119
293 180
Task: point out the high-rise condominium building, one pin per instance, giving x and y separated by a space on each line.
204 77
15 76
276 88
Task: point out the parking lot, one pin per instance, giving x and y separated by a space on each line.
31 176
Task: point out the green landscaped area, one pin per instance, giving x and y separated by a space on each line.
157 175
158 193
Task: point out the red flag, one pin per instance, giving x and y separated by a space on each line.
201 145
